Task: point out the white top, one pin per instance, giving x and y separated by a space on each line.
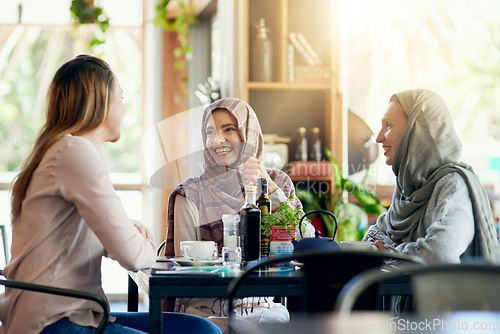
186 227
70 218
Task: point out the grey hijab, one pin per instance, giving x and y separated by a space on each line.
428 149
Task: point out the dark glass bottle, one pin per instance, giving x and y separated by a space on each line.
264 204
301 149
316 145
250 226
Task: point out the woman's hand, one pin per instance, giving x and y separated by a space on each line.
254 169
144 231
380 245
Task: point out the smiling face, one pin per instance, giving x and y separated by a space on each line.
393 125
223 141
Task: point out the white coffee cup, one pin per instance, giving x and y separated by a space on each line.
199 250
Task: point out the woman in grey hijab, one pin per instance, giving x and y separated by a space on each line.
439 209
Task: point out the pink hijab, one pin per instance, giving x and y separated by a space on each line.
218 190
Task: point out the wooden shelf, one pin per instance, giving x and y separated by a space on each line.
284 106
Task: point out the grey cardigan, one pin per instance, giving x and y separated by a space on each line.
448 220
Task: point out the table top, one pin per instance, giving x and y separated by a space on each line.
162 280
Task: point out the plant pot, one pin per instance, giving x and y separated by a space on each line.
281 243
280 233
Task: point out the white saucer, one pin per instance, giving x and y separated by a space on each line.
184 261
296 263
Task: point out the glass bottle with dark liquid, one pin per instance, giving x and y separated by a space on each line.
264 204
250 226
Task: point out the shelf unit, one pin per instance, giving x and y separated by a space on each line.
282 106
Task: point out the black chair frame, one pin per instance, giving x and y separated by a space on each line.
62 292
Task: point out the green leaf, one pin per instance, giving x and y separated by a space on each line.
178 52
179 64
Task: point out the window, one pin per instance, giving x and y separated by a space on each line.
449 46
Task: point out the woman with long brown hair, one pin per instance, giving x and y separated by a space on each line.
66 214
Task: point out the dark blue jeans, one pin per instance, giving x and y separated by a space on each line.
137 323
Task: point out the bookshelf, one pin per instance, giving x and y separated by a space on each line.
283 105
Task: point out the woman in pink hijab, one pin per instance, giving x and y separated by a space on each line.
233 145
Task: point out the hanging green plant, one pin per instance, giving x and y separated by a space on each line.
86 12
183 20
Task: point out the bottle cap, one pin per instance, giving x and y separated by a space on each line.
315 129
301 129
261 27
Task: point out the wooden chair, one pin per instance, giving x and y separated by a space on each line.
436 288
62 292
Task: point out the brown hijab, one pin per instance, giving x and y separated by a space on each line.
218 190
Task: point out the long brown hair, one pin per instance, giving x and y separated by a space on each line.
78 102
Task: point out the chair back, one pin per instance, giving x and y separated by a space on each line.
62 292
436 288
457 288
326 274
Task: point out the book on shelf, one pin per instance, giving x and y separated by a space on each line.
301 49
309 49
314 72
305 49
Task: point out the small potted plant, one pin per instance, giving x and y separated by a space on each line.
282 224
